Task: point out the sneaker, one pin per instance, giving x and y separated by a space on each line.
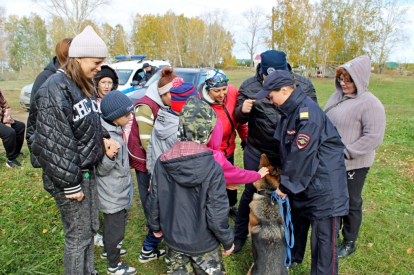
98 240
233 213
13 163
104 254
238 245
146 256
122 269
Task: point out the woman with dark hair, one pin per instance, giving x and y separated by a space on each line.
62 50
223 98
360 119
65 139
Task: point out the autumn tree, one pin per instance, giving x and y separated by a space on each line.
3 37
73 12
27 42
389 29
253 34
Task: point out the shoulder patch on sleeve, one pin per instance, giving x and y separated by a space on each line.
302 140
303 113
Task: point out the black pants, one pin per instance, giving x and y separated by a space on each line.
113 235
12 138
323 243
251 162
231 194
352 222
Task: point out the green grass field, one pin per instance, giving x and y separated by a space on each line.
32 238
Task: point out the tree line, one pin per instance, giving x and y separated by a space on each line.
311 33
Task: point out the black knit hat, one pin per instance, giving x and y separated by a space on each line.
106 71
273 60
115 105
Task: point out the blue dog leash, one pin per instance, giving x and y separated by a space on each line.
287 224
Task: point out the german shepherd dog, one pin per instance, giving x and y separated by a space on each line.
266 226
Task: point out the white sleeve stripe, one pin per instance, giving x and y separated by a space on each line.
144 119
144 136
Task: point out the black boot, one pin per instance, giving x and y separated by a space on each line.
238 245
346 248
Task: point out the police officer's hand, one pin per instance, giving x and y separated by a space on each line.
77 196
228 252
247 105
158 234
280 194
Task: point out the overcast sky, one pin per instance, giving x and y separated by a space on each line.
123 11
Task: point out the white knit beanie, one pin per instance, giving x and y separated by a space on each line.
88 44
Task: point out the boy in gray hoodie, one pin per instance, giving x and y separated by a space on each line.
114 180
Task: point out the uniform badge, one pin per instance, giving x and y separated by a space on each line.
270 70
303 113
291 132
302 141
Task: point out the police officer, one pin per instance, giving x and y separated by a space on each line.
313 171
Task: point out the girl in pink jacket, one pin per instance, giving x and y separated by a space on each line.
232 174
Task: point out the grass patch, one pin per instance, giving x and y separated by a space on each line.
32 238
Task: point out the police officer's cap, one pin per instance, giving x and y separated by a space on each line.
275 81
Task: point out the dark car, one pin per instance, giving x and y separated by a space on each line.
195 76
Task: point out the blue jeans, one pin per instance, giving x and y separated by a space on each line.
80 220
151 242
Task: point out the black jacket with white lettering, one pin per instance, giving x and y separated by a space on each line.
64 132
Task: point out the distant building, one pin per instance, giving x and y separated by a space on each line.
241 62
257 60
391 65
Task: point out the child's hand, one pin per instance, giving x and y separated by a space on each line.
227 252
158 234
111 147
263 171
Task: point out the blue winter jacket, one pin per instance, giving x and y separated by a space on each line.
313 173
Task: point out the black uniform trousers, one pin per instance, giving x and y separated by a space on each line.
12 138
352 222
323 243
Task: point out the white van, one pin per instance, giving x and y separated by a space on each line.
130 71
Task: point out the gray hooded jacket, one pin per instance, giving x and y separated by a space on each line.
163 136
360 120
114 176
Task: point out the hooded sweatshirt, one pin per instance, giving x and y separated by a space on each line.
163 136
113 175
360 120
232 174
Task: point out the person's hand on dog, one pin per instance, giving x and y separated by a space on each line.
263 172
280 194
227 252
232 186
111 147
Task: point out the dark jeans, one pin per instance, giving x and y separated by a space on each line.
232 194
80 220
113 235
352 222
323 243
151 242
12 138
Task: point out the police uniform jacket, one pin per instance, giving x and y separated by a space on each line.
313 173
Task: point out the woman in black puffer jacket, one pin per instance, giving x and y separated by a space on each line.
65 139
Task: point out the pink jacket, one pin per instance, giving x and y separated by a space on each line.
232 174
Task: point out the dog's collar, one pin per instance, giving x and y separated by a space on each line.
265 193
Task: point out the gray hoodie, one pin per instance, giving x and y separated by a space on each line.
163 136
360 120
114 176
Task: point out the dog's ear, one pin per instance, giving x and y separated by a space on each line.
264 161
274 172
